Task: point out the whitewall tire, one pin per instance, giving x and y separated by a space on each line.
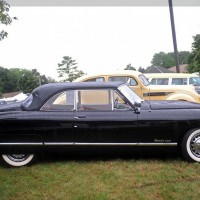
190 146
17 160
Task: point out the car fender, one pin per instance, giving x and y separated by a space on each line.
181 96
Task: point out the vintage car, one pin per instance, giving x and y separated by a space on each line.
62 116
140 84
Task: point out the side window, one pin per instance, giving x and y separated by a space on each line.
179 81
100 100
194 81
63 101
162 81
119 103
153 81
125 79
92 100
159 81
98 79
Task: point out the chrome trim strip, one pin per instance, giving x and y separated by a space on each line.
106 144
21 143
86 144
157 144
59 143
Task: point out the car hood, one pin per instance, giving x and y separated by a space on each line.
162 105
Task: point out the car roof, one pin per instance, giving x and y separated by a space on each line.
76 85
109 73
170 75
41 94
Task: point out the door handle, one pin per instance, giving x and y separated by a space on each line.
80 117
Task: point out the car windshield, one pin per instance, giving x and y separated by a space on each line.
129 94
195 81
144 80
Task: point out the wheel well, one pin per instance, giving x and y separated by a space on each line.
185 132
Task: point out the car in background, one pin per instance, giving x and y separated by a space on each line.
173 79
64 117
140 84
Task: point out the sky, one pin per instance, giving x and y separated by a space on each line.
98 38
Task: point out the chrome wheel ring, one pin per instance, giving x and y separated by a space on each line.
18 157
17 160
195 145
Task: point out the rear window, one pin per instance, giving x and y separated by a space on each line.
62 101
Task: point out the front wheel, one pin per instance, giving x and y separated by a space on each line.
17 160
190 146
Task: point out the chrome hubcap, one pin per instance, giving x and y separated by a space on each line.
18 157
195 145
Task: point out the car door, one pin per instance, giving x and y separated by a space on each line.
58 113
98 121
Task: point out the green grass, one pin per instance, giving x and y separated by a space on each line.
103 179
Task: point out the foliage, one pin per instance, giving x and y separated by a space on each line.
102 179
28 82
8 81
68 69
16 79
4 17
167 59
129 67
194 59
184 57
49 79
31 79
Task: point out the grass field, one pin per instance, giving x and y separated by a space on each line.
102 178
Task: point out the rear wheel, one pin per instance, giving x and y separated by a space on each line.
18 160
190 146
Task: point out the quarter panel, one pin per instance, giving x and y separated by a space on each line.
166 126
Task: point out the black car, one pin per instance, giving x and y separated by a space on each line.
61 116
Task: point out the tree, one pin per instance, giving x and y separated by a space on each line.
51 80
167 59
68 69
184 57
4 17
16 79
5 81
129 67
194 58
31 79
28 81
163 59
141 69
